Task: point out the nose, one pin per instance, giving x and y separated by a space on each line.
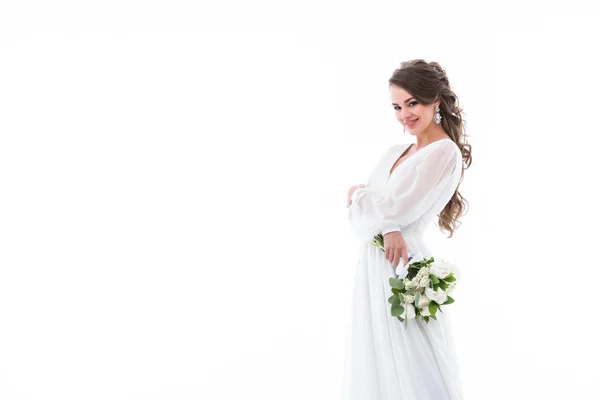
404 115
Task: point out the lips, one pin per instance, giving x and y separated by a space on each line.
411 122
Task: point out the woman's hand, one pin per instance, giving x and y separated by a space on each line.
351 191
395 247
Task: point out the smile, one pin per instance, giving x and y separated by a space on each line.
412 123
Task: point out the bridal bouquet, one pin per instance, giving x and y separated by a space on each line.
421 288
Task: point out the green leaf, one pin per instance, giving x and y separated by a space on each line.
426 319
450 278
397 283
432 308
391 299
433 316
395 291
440 308
400 318
417 296
397 310
449 301
395 301
443 285
434 279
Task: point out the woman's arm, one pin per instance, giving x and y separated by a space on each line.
409 195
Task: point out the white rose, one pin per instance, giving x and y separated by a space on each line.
408 298
423 271
441 269
410 285
410 310
438 296
450 289
423 302
424 282
425 312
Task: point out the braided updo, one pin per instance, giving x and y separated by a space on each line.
427 82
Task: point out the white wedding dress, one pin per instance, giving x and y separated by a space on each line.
384 360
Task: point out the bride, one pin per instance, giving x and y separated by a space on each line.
411 186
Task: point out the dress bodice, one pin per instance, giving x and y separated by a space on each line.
411 196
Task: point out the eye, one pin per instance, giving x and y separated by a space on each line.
412 103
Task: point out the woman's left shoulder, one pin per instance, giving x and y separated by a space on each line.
445 145
448 149
456 152
450 143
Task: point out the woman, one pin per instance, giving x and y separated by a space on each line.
410 185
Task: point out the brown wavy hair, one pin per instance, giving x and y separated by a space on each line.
427 82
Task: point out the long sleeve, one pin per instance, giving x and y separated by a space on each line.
431 180
382 158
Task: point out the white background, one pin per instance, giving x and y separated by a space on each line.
173 182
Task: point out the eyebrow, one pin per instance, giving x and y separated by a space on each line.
405 101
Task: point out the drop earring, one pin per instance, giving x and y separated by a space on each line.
437 117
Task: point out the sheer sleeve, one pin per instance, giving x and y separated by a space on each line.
432 179
382 158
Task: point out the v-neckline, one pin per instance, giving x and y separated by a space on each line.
390 170
407 158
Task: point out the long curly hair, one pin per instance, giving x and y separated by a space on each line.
427 82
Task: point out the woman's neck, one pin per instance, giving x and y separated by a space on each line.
434 134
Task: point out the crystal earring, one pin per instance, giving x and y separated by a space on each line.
437 117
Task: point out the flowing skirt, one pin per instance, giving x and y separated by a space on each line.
386 361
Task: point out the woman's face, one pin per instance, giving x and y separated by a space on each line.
414 116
